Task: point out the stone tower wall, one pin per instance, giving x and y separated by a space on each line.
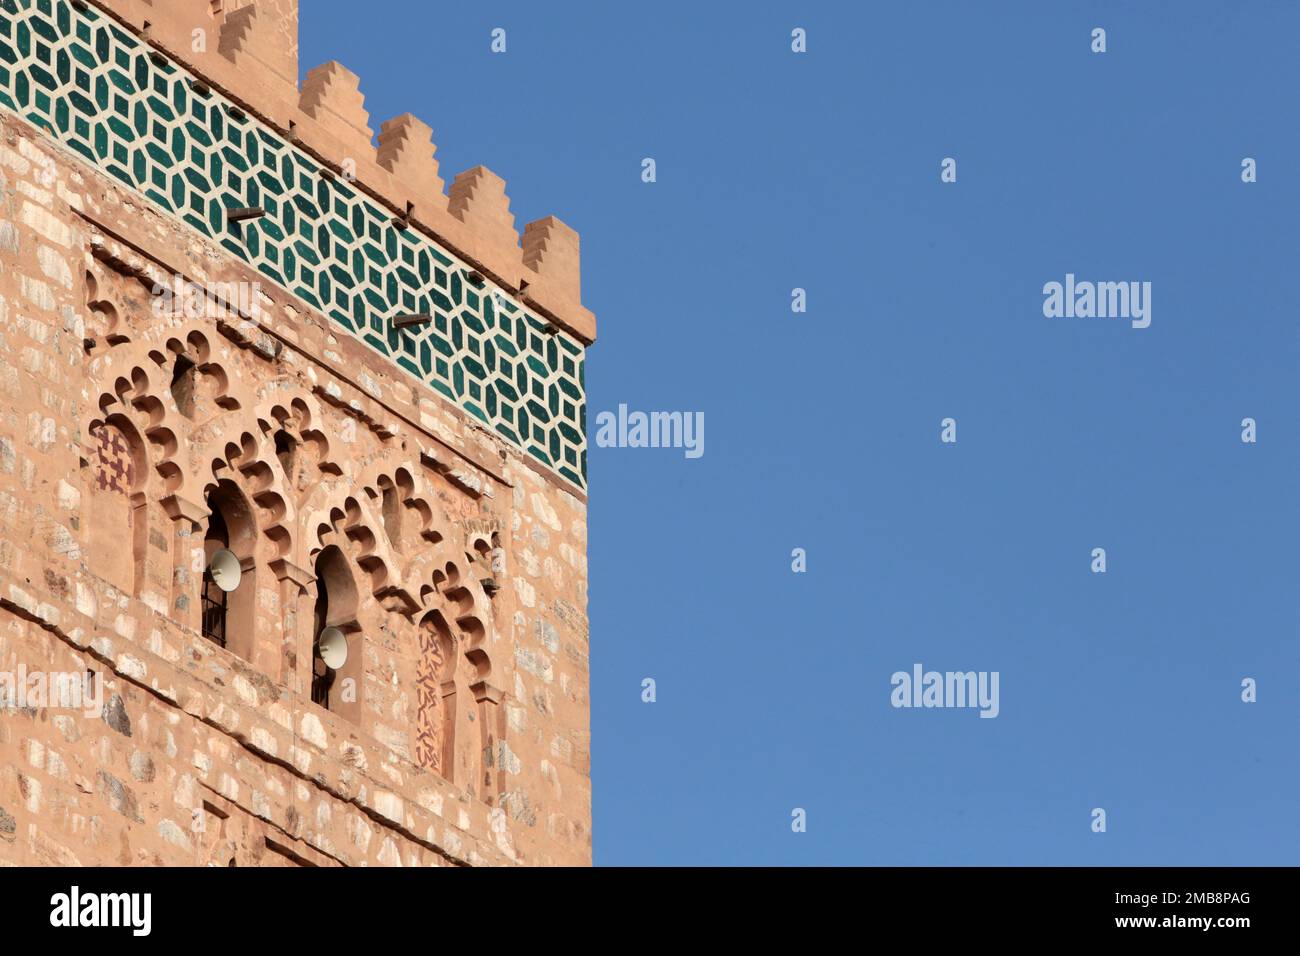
219 297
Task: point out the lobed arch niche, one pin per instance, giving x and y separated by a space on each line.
435 689
115 481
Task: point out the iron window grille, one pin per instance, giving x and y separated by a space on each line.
214 611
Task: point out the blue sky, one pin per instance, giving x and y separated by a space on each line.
774 171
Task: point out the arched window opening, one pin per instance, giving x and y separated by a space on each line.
322 675
214 598
391 510
336 642
184 377
286 449
228 595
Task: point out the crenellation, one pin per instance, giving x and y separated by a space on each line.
332 96
551 250
478 199
261 36
406 149
254 41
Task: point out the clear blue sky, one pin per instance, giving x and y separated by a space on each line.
821 171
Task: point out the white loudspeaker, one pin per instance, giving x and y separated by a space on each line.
225 570
333 647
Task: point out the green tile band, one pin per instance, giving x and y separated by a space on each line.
148 123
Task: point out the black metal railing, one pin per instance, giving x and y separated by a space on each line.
322 679
214 611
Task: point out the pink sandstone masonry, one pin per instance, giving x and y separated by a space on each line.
136 443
